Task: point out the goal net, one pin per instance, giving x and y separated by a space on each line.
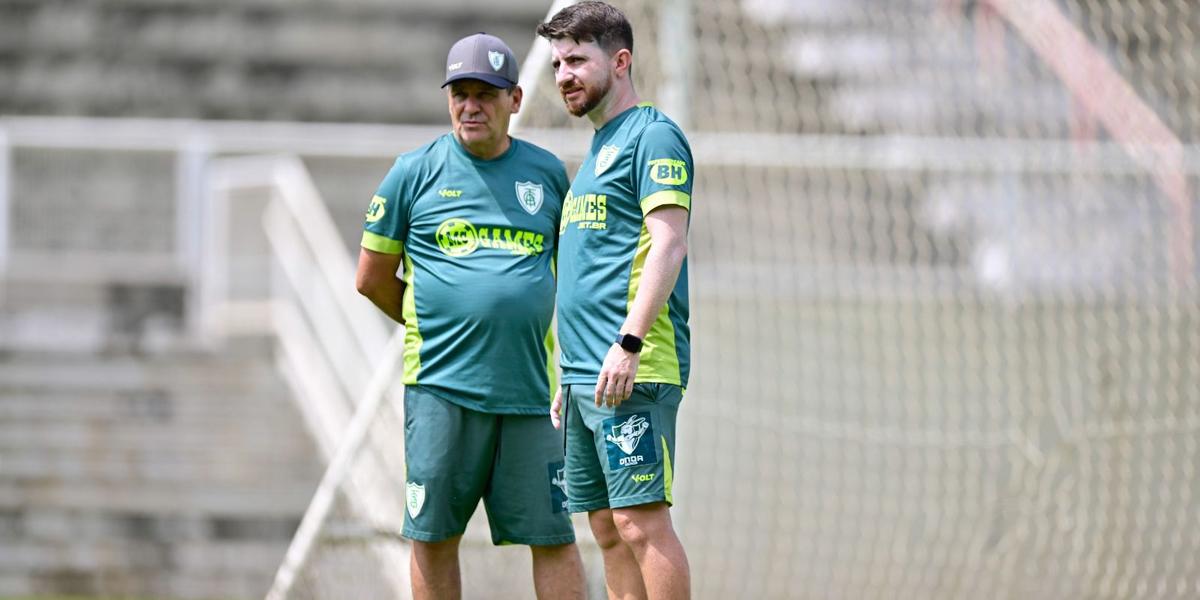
946 328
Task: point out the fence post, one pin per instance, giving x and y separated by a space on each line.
675 40
5 196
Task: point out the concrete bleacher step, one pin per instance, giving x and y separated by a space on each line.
418 8
145 567
189 371
264 499
133 408
177 475
356 60
150 416
878 53
915 66
915 108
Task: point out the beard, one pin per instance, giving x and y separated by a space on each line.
592 96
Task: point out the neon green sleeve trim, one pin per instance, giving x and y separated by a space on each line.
551 374
412 330
660 359
379 243
664 198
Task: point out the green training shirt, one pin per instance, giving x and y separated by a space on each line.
478 239
639 161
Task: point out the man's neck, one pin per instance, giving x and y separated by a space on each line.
618 100
483 150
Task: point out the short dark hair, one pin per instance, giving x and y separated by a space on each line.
591 21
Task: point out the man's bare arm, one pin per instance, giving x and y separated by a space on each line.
376 279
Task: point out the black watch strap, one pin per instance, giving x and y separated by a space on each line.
629 342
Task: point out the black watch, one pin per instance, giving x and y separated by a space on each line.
629 342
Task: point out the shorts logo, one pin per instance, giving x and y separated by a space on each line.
558 486
496 58
668 171
377 209
630 441
415 499
529 194
457 237
605 158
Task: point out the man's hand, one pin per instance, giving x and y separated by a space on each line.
616 377
556 416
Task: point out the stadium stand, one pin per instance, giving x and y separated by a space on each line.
149 475
134 460
347 61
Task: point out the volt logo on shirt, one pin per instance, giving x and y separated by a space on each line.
668 171
630 440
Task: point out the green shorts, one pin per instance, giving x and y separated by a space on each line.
623 456
455 456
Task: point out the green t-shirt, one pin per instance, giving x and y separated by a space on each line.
638 161
478 239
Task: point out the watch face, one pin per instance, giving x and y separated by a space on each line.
629 342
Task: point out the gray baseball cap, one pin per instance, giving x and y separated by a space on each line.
483 57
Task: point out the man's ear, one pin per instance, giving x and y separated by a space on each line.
623 62
517 95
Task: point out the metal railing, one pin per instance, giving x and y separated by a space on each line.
335 349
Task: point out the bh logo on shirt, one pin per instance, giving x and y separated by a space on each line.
630 441
668 171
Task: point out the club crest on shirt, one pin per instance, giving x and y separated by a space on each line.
605 158
496 58
529 195
415 499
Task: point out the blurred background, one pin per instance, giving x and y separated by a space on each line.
946 326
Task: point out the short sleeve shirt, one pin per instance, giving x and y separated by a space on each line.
478 239
639 161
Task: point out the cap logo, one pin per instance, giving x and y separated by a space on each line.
497 59
454 67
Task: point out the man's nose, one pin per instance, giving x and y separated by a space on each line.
562 75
